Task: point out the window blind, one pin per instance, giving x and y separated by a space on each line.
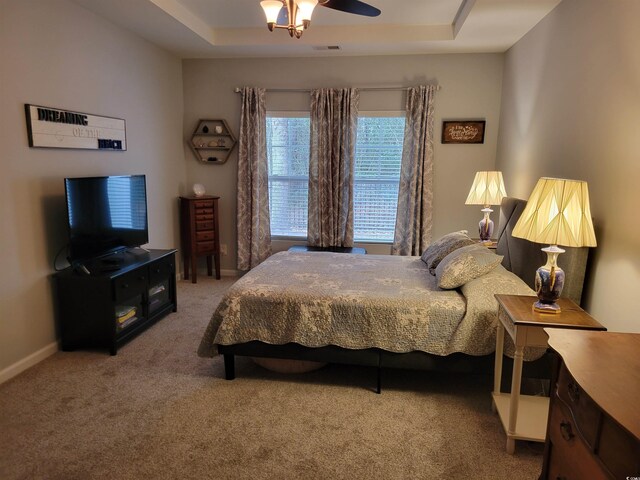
288 161
378 157
376 177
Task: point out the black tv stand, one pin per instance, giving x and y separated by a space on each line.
112 261
108 268
121 298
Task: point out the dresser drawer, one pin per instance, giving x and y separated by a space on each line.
204 225
584 411
204 217
506 321
618 450
205 247
161 270
204 211
208 203
204 236
570 457
129 285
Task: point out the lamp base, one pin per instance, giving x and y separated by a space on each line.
546 307
485 227
549 282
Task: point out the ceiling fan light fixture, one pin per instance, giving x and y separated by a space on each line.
300 26
305 10
296 17
271 10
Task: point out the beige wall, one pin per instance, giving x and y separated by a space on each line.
471 86
571 108
57 54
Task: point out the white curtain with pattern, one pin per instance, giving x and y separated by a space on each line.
334 117
253 221
415 194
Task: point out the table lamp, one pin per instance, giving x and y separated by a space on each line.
557 213
487 189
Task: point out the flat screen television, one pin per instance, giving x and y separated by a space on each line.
105 214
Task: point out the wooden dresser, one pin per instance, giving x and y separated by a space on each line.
199 234
594 419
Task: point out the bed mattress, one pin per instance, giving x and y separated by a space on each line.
317 299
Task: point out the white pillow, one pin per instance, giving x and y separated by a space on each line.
442 247
465 264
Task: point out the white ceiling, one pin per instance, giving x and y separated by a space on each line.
237 28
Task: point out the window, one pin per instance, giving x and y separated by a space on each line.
377 176
288 160
378 156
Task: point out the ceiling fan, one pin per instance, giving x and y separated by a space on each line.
351 6
295 15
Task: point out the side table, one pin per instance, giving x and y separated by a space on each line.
524 417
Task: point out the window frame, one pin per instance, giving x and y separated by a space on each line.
378 114
289 114
306 114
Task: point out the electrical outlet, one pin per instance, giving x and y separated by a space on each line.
223 248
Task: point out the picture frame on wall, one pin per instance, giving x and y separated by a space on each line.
463 131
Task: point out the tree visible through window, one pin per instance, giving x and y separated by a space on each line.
376 177
288 158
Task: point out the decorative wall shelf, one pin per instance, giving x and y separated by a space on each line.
212 141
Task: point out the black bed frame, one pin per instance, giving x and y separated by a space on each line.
382 359
520 257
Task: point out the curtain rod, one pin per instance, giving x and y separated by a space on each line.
307 90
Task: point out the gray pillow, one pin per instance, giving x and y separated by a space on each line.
442 247
465 264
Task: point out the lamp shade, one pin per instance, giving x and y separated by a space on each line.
557 213
271 9
487 189
305 9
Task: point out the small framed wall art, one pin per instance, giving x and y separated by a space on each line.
463 131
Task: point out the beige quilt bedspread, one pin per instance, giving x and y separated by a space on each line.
358 301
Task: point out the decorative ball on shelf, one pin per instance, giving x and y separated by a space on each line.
198 189
218 129
205 129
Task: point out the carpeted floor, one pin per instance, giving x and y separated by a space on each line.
157 411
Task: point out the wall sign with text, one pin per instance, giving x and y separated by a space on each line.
53 128
463 131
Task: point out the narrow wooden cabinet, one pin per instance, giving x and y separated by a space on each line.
199 234
121 296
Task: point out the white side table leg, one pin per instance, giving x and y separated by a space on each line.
515 397
497 370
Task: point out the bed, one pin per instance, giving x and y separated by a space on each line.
377 310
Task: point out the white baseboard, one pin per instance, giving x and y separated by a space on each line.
229 273
223 273
28 362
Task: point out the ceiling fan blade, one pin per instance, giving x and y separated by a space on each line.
351 6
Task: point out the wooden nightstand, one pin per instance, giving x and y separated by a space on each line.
526 329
